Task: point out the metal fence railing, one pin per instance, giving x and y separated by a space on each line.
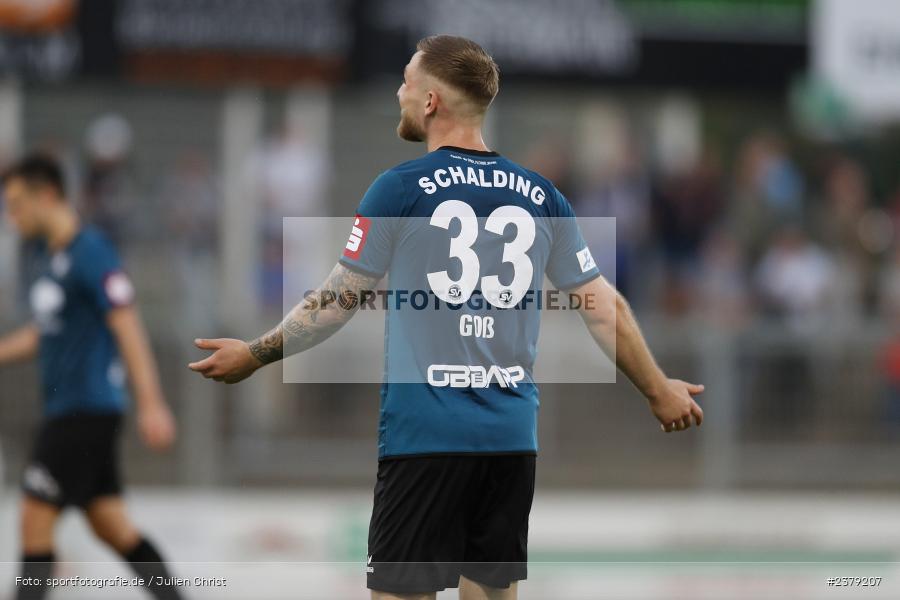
780 411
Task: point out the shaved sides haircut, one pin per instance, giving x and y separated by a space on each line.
462 64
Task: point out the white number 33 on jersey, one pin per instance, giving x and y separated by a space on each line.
460 290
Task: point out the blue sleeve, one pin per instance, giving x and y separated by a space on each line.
570 264
371 242
101 277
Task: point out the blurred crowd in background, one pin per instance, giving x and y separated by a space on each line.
741 232
774 228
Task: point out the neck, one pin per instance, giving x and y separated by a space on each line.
61 227
462 137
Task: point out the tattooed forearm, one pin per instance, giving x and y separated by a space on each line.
315 319
268 347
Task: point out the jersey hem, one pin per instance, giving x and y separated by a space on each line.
458 453
579 282
83 414
360 270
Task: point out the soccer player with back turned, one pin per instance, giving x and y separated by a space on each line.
457 448
84 326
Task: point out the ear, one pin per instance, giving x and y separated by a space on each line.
431 103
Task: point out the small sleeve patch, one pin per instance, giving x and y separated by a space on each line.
118 289
585 260
357 239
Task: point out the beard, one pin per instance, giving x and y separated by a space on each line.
409 130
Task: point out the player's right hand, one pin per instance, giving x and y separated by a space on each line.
230 362
675 407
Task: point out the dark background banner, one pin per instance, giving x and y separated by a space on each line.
701 43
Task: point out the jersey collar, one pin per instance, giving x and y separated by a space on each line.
469 151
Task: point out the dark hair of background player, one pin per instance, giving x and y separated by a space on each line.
37 170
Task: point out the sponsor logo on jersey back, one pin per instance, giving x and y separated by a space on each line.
474 376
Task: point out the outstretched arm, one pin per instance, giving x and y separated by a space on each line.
311 322
155 422
21 344
613 326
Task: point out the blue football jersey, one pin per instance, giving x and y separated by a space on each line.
74 290
466 238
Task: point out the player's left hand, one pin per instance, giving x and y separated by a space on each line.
156 427
675 407
230 362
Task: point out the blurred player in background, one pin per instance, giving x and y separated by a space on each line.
85 325
457 462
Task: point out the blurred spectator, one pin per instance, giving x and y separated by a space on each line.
893 210
622 193
723 291
846 196
845 226
550 156
890 353
110 192
8 252
768 190
271 275
8 263
686 207
190 200
794 281
292 173
890 367
890 287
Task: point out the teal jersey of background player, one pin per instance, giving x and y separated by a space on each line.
466 238
70 297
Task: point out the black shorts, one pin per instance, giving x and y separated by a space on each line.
75 460
436 518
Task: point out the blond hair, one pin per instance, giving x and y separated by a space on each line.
462 64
